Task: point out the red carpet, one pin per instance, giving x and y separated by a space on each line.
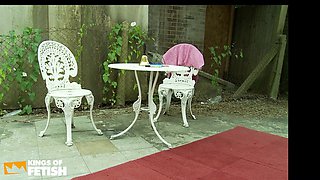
236 154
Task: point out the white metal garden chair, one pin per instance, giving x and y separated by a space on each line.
57 63
181 84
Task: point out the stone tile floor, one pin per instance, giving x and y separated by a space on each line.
90 152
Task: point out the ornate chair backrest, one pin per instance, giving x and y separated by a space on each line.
56 63
183 54
182 78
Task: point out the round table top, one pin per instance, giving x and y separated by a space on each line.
137 67
67 93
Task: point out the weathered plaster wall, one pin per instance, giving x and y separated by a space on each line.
15 17
64 22
69 18
130 13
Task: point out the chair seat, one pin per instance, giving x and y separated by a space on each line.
176 86
66 93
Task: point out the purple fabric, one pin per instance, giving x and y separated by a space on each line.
184 55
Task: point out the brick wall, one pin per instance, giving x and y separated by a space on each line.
172 24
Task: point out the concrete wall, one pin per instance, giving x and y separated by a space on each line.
94 49
65 17
130 13
63 23
138 14
56 19
168 24
15 17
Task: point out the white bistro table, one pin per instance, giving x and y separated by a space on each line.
152 83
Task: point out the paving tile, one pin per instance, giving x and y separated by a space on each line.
95 147
75 167
138 153
87 135
64 177
25 155
19 176
57 151
102 161
20 137
83 131
91 152
19 154
56 126
53 121
21 122
51 140
130 143
14 144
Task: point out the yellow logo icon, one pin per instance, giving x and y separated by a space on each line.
19 165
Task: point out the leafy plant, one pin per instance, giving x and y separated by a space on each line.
137 39
20 64
82 32
218 54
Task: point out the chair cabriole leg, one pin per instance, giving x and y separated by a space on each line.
90 100
48 100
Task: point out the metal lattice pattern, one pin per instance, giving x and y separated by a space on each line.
56 63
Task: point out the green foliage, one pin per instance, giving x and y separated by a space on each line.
82 32
218 54
20 64
137 38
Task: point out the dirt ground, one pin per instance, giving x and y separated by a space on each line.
249 105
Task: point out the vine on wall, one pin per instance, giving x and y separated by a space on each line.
219 54
137 39
19 64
